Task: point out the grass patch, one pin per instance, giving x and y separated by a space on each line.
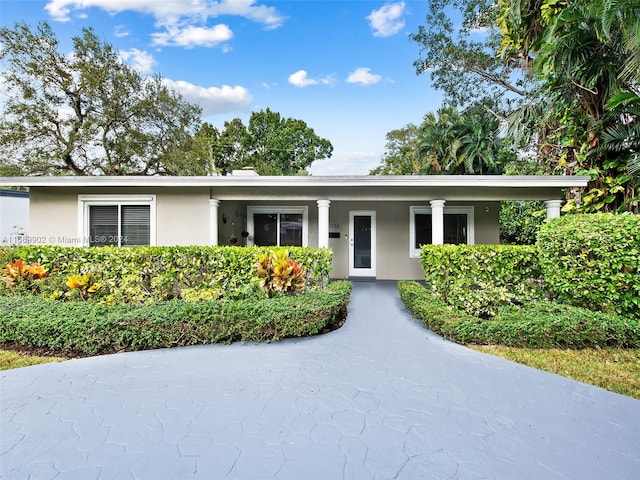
10 359
614 369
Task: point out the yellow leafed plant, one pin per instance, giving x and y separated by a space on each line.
280 273
83 284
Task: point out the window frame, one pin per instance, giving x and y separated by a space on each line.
414 250
278 210
87 201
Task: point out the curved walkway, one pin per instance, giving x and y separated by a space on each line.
380 398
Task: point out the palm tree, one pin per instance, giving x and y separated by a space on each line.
439 141
479 144
623 137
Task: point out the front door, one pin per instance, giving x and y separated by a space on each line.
362 243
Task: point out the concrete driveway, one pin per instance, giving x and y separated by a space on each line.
380 398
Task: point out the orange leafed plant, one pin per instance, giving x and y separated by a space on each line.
279 273
17 271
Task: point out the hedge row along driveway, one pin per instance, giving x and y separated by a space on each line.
155 297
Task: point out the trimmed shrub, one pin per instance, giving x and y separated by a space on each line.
540 324
593 261
93 328
141 274
481 278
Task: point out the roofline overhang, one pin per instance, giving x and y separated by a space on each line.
427 181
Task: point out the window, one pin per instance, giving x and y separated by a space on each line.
277 226
458 227
116 220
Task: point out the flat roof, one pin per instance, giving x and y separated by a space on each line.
483 181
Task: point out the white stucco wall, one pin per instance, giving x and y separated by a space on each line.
182 215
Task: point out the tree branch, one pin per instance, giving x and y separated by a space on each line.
494 79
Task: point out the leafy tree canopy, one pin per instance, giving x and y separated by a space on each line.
565 73
273 145
90 113
460 55
449 142
400 156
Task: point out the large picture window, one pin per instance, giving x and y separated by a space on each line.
277 226
116 220
458 227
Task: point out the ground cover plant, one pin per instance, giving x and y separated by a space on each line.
94 328
100 300
538 324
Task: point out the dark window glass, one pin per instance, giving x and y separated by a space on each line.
136 225
265 226
291 229
103 225
422 224
362 241
455 229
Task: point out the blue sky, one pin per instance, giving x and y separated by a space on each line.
345 67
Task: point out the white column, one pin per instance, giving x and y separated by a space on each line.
323 223
553 208
437 222
213 221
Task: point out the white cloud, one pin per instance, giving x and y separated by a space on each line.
190 36
363 76
138 59
213 100
301 79
201 10
387 20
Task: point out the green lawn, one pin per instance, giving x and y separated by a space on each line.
614 369
10 359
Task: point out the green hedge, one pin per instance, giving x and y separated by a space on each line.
501 265
93 328
540 324
138 274
482 277
593 261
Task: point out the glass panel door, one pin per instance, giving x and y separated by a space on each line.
361 241
362 244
